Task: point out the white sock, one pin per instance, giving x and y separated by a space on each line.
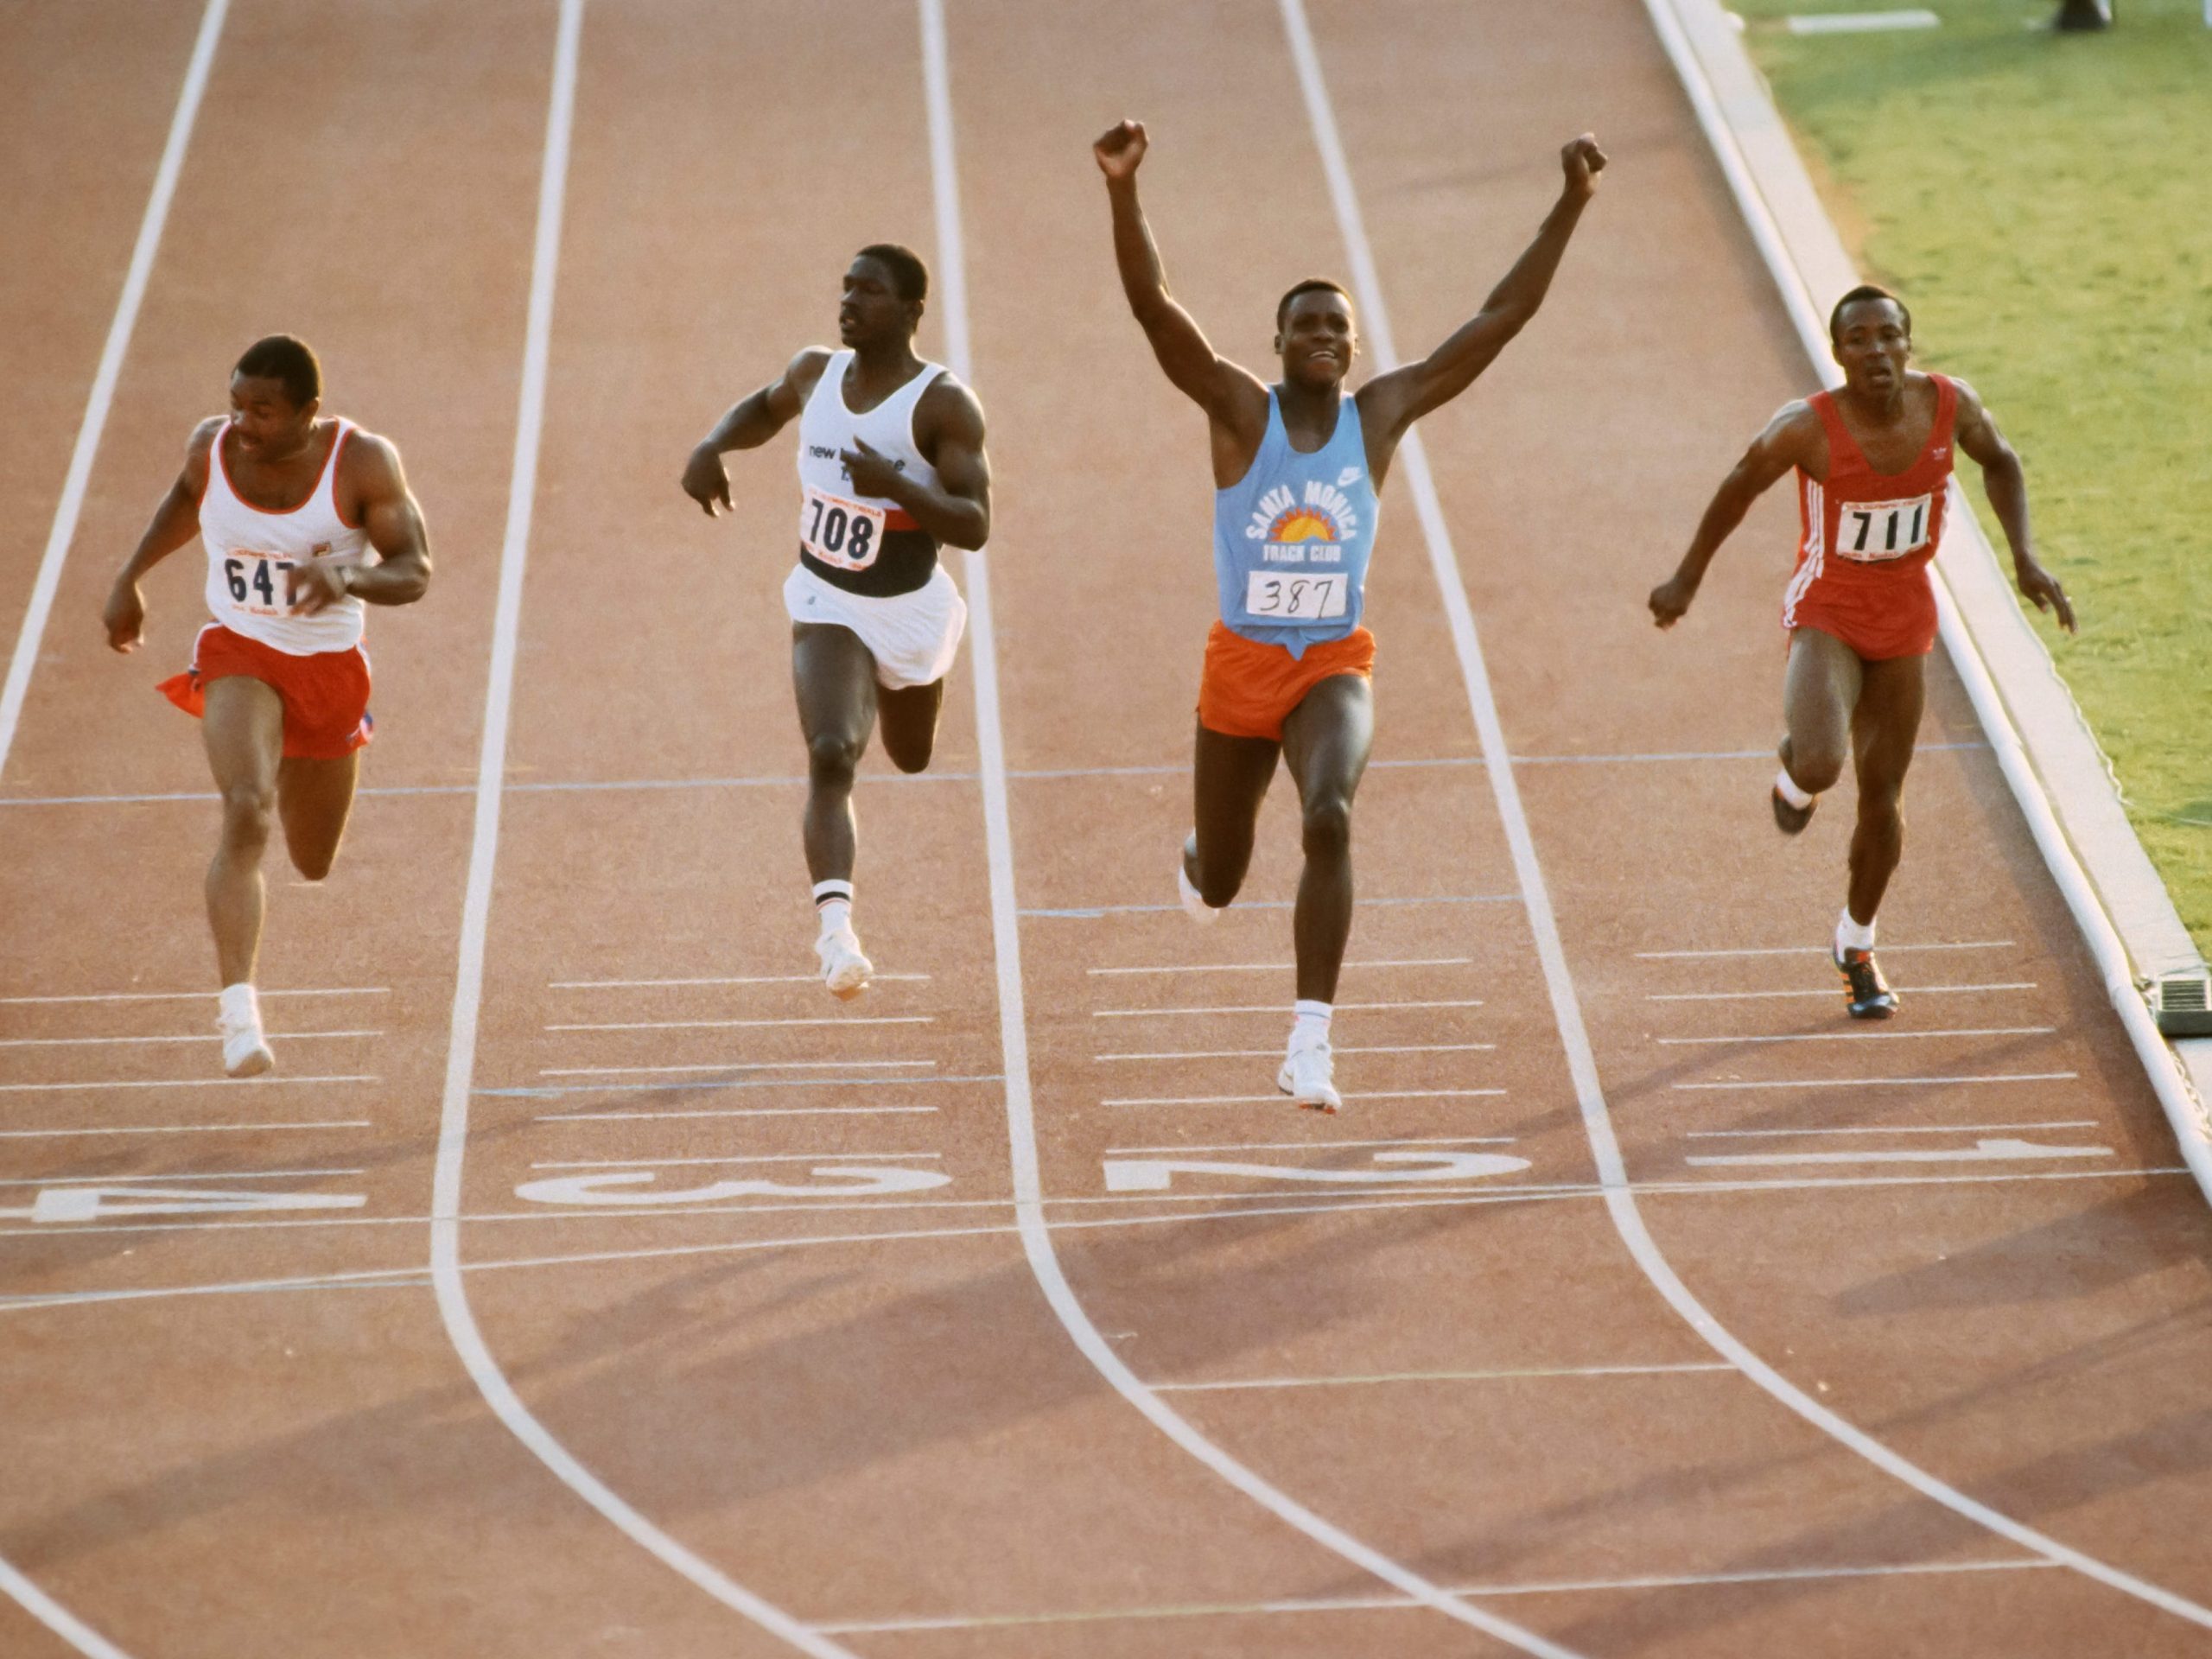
1309 1023
239 1002
1790 792
835 900
1853 936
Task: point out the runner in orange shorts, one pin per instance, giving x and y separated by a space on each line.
1873 462
306 520
1297 469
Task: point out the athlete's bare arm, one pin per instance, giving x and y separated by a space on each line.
1793 438
1391 403
175 523
1234 398
748 424
949 430
371 479
1976 433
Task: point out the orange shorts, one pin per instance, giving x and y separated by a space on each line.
326 695
1247 688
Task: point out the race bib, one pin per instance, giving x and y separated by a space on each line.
1870 531
846 534
260 584
1269 597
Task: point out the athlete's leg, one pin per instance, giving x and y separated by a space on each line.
1325 741
1820 688
833 676
1883 731
244 730
313 799
1229 779
908 723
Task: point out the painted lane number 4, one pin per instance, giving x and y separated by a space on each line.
90 1203
1392 1168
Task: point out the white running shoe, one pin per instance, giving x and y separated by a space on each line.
246 1052
1194 902
844 969
1308 1077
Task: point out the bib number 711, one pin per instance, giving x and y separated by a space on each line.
1871 531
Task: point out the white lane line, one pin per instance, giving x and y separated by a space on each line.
1275 1007
1816 950
756 1158
1386 1603
187 996
720 1085
1326 1146
1902 990
735 979
18 1587
1095 912
737 1111
1937 1128
1858 1036
1285 967
181 1129
1272 1054
1886 1083
180 1037
468 981
164 1177
1582 1064
1236 1383
735 1025
1006 939
1982 1152
264 1082
1247 1100
729 1065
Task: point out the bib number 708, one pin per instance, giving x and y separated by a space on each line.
846 534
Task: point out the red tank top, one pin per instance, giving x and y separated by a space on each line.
1861 525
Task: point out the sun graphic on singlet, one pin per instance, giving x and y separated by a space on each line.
1302 525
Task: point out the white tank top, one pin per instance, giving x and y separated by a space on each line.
867 544
252 552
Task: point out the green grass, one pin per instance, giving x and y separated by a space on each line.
2040 201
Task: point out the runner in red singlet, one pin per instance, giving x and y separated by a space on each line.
1873 462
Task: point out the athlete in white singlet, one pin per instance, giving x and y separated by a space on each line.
890 464
307 519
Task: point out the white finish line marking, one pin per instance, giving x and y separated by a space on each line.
180 1037
756 1158
1860 1036
1278 1097
1275 1009
1982 1152
1886 1083
726 1066
1443 1377
264 1082
1285 967
1272 1054
738 1111
164 1178
731 979
1902 990
184 996
1939 1129
733 1025
1326 1146
181 1128
1814 950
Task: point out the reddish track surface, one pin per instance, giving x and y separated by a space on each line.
862 1408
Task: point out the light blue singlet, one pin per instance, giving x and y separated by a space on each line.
1292 537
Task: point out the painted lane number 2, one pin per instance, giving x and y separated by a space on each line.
1392 1168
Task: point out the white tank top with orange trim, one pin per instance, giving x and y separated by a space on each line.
251 553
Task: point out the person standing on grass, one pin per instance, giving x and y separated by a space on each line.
307 520
1873 462
1298 466
891 465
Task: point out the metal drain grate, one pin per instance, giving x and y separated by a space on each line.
2183 1003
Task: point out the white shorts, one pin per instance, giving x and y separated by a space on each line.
913 637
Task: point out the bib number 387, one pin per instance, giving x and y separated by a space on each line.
1870 531
846 534
1295 598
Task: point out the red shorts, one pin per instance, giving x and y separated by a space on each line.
326 695
1895 617
1247 688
